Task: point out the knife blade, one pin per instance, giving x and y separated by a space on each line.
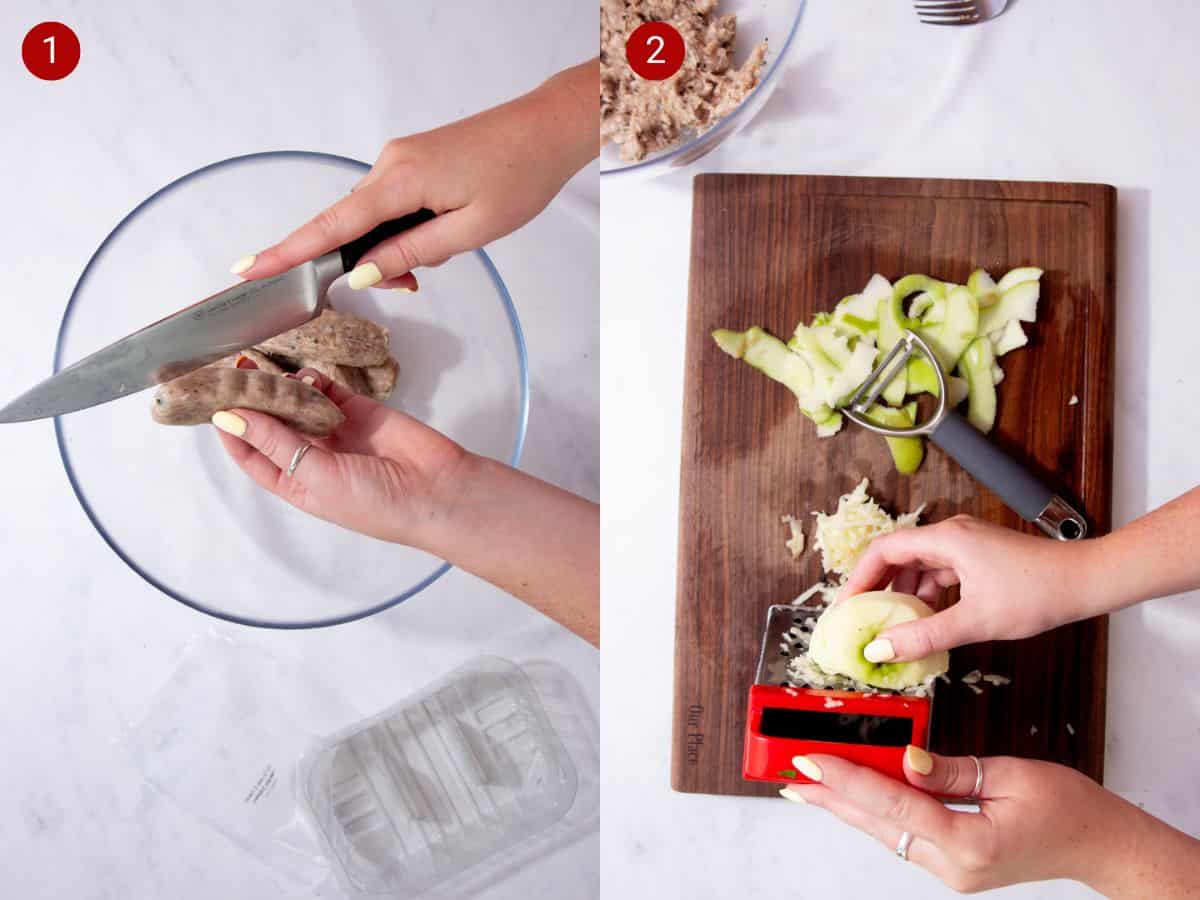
232 320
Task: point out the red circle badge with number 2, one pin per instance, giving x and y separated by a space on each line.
50 51
655 51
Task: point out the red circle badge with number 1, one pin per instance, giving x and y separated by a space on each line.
50 51
655 51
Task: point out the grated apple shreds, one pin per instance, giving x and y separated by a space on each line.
828 593
844 535
795 544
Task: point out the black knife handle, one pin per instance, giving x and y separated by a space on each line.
356 249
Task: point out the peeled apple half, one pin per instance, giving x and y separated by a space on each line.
845 629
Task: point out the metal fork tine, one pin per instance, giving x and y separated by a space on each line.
947 12
962 20
958 12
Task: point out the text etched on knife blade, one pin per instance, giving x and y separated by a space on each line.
206 309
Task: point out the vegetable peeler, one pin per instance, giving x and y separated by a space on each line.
1020 491
785 719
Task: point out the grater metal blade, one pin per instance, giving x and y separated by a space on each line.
785 635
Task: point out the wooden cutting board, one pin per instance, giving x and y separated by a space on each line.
772 251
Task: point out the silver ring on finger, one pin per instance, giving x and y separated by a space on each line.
902 847
978 789
297 456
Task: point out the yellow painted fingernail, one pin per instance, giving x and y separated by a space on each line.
790 793
918 760
229 423
404 290
364 276
879 650
243 264
807 768
309 380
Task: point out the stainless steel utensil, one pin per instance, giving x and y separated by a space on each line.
232 320
958 12
1020 490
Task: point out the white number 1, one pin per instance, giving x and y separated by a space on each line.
652 58
50 41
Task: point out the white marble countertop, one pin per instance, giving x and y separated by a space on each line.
162 90
1076 90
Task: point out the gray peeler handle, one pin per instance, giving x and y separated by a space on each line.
991 466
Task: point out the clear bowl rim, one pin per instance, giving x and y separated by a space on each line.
518 336
662 161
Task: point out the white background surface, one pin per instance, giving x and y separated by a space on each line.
163 89
1074 90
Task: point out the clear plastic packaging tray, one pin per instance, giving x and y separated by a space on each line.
420 793
442 795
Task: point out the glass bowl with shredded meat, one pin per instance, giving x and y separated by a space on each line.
736 50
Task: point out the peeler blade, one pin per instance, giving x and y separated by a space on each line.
876 382
874 385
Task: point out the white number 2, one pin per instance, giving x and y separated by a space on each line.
652 58
50 41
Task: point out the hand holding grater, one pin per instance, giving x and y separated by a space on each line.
1020 491
785 720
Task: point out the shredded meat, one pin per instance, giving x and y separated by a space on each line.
643 117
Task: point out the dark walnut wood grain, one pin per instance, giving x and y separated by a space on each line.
772 251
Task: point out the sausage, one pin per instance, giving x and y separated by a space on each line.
261 360
381 380
264 362
350 377
192 399
376 382
333 337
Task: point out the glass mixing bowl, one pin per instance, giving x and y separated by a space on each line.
776 20
169 502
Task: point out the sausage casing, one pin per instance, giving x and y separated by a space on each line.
381 380
334 337
194 398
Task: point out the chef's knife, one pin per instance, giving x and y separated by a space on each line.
234 319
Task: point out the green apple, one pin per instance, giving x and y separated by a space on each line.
1010 337
892 324
844 630
1018 276
950 337
838 368
976 367
1018 302
766 353
907 452
980 284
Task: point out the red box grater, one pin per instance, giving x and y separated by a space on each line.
785 719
